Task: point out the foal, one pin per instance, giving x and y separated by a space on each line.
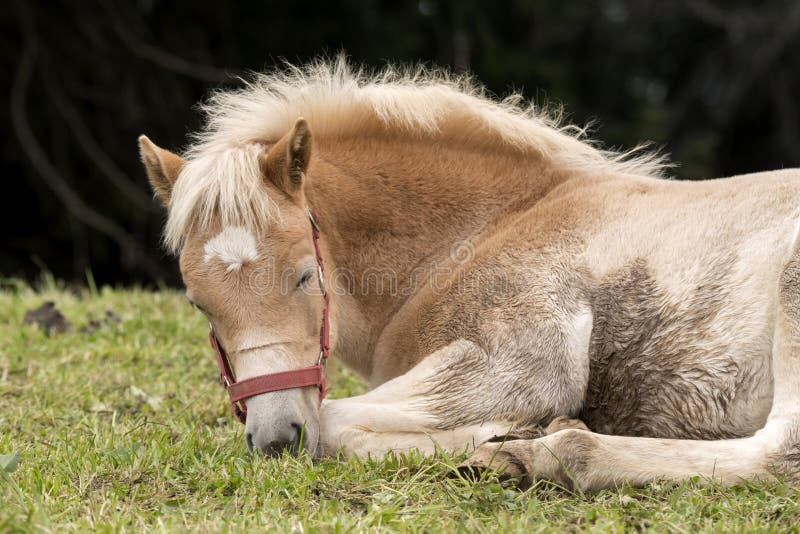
487 272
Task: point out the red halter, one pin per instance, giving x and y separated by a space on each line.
296 378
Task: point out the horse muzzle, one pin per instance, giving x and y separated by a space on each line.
282 421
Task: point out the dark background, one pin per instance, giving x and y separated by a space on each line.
715 83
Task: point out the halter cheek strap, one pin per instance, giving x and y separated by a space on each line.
313 375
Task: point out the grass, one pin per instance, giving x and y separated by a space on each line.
126 429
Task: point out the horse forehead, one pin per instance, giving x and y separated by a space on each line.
233 245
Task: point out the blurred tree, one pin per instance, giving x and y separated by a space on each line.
714 83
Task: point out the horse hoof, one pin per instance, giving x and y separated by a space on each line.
524 432
491 458
563 423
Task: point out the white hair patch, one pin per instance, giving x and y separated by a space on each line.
234 246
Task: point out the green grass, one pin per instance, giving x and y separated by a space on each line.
126 429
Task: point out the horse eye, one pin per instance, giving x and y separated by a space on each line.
198 308
304 279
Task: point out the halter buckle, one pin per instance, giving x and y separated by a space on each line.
311 218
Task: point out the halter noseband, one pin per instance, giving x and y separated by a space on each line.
296 378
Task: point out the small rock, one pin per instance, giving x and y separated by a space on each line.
143 398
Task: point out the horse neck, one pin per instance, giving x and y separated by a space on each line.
388 207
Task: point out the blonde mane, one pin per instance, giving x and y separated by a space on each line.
221 176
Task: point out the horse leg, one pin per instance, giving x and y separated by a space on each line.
589 461
395 416
563 423
418 410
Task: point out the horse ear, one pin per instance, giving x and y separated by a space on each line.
162 167
286 162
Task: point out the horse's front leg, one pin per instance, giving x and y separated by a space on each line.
398 415
455 399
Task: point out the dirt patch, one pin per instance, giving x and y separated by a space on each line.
48 318
51 320
109 318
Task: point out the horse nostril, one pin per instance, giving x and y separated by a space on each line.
298 436
275 439
289 439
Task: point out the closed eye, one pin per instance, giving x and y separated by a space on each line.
304 279
198 308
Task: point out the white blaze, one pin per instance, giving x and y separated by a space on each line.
234 245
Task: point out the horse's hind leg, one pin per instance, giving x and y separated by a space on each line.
590 461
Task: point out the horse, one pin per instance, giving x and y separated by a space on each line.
505 286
